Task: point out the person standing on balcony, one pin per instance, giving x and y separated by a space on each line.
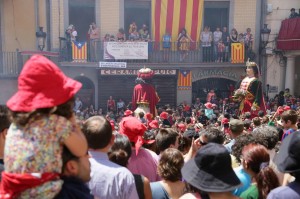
94 34
121 35
293 14
248 41
206 39
166 39
183 41
234 36
226 41
217 36
133 33
144 33
74 34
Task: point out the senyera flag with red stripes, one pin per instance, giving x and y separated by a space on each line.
173 15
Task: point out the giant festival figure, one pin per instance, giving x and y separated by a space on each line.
144 97
250 94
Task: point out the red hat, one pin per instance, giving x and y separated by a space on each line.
134 129
182 127
145 73
154 124
42 84
164 115
225 121
128 112
286 108
280 111
148 116
112 123
208 105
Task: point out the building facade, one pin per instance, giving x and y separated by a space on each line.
20 20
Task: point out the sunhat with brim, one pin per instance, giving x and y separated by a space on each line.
211 170
288 158
42 84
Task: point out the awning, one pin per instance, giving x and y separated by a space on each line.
289 35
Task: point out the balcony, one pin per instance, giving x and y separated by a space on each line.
289 35
11 65
12 62
156 54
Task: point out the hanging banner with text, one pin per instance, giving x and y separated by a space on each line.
125 50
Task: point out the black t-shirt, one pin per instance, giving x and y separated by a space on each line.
203 119
225 35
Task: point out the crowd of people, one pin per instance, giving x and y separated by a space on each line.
193 151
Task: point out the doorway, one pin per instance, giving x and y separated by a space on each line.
221 86
81 15
87 91
216 14
138 12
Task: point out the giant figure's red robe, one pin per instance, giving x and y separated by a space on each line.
145 95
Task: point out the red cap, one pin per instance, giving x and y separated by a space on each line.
128 112
134 129
286 108
154 124
280 111
208 105
42 84
148 116
164 115
225 121
182 127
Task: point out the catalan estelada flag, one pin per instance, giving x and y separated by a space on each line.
237 53
79 51
184 80
173 15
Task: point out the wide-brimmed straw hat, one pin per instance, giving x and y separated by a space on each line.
42 84
211 170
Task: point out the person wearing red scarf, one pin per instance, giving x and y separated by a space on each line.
142 161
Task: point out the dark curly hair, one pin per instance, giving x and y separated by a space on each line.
170 164
213 135
241 141
268 134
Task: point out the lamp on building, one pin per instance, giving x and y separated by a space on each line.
265 33
41 38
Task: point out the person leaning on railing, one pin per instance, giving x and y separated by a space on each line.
94 34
